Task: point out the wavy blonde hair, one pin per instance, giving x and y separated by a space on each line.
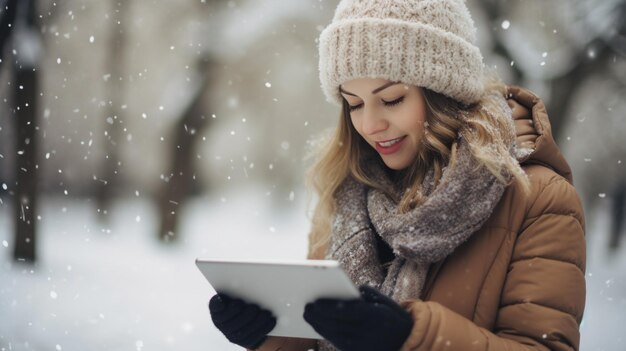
346 154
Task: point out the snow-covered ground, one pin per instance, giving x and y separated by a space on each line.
99 287
117 288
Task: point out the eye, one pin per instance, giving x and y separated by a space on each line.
355 107
387 103
394 102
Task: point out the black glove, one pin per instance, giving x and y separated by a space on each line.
375 322
245 324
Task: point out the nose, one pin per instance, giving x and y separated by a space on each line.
373 122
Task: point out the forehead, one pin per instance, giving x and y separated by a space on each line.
365 84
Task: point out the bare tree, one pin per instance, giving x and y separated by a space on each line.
19 25
493 10
110 167
180 181
186 131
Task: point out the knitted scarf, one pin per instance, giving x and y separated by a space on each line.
457 207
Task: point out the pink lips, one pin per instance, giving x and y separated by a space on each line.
390 149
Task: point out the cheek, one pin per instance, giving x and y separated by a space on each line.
418 116
412 122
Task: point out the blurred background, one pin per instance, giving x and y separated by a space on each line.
136 136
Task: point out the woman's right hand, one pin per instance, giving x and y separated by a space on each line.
243 323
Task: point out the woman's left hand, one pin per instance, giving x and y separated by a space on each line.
373 322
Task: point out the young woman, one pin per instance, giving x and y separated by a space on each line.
442 194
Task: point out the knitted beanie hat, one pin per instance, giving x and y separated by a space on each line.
427 43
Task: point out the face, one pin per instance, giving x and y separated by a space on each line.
390 116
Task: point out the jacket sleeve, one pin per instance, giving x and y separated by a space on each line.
543 296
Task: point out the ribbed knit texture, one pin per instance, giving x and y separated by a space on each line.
427 43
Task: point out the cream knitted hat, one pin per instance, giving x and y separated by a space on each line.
428 43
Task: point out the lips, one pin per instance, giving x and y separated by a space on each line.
389 146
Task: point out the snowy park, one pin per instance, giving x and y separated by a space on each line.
136 137
116 288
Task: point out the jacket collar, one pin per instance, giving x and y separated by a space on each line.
527 105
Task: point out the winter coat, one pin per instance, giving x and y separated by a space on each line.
518 283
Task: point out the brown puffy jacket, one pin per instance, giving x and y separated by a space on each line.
519 282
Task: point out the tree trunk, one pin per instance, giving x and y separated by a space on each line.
25 200
25 99
7 20
113 119
182 177
562 88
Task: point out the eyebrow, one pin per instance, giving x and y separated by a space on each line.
373 91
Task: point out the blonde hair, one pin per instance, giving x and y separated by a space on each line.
347 154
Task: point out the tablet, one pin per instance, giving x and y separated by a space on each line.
283 287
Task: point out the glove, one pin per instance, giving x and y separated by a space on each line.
372 323
245 324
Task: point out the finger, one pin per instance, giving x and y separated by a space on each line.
269 323
234 311
224 296
524 139
335 306
231 311
219 302
346 312
310 315
216 304
262 318
372 295
238 321
326 309
524 127
369 293
254 334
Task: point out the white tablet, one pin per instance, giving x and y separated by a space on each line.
283 287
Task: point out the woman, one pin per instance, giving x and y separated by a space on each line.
442 194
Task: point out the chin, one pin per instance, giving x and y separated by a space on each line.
396 166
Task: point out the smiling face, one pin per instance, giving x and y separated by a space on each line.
389 116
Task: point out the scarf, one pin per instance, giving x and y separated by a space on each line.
452 212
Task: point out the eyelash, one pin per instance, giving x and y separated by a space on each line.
387 103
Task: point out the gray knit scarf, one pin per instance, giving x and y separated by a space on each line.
459 206
453 210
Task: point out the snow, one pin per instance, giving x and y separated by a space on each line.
114 287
